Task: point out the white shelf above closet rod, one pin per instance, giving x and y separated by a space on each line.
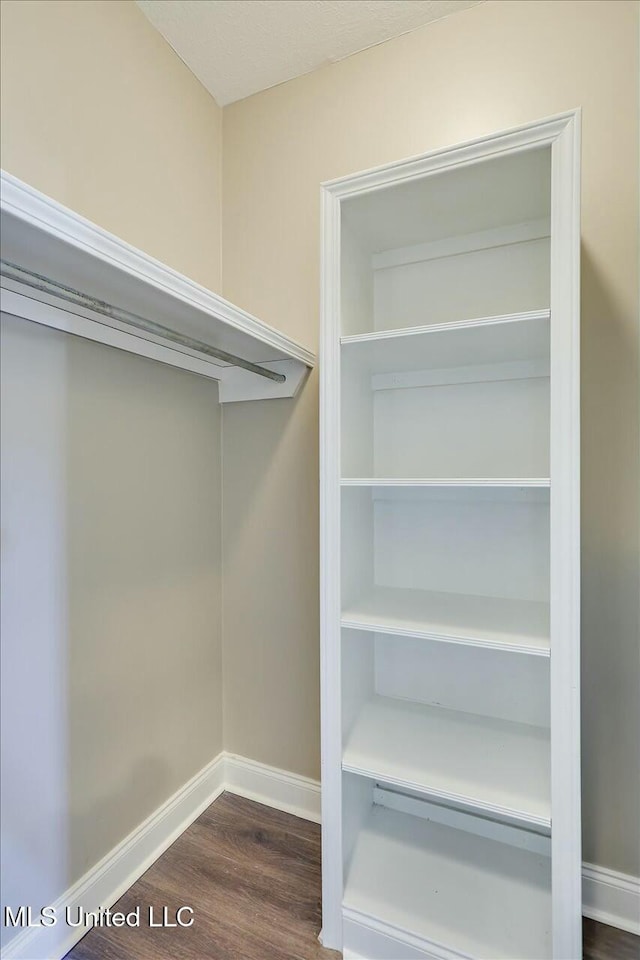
65 272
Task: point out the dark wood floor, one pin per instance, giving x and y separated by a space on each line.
252 877
606 943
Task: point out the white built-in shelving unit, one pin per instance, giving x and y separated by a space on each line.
450 553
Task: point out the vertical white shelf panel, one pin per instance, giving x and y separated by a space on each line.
450 552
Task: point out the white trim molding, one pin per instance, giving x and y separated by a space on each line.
273 787
106 882
369 937
540 133
611 897
40 235
48 217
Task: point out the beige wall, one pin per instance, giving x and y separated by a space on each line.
143 559
111 632
99 113
493 66
111 463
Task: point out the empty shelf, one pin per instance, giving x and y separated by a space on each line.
481 483
495 767
484 341
451 888
518 625
78 278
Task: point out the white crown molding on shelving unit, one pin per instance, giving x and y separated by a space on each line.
45 237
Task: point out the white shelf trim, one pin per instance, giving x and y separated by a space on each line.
75 237
462 243
531 650
435 328
508 815
412 746
47 215
375 613
538 482
371 933
539 133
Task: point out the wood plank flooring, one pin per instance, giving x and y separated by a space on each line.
601 942
252 877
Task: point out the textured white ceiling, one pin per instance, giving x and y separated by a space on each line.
238 47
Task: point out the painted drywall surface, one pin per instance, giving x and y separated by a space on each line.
143 486
111 640
493 66
34 816
270 585
99 113
241 47
111 507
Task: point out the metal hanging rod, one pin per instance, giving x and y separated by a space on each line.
46 285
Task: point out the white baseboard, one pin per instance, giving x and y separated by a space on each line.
611 897
367 937
273 787
107 881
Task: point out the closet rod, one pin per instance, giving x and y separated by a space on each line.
38 281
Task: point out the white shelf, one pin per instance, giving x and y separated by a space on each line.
494 767
454 400
466 895
485 341
468 198
471 482
521 626
43 237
